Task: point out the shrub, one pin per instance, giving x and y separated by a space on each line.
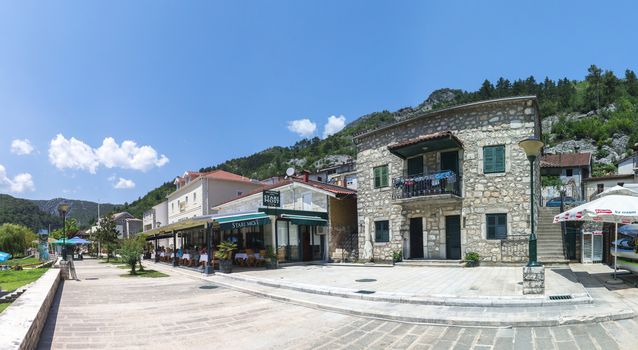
225 250
130 252
472 256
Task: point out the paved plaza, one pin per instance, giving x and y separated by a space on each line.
104 310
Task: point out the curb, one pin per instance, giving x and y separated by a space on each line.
441 300
534 320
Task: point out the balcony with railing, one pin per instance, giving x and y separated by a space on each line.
445 182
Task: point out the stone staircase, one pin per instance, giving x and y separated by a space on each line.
550 240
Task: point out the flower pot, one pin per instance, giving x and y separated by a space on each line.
272 263
471 263
226 266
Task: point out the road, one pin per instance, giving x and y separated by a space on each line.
104 310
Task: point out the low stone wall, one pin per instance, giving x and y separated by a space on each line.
23 321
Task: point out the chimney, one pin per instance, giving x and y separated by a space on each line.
306 174
576 149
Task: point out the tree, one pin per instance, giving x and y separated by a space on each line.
72 228
610 88
130 251
106 235
503 87
593 92
15 239
486 91
631 83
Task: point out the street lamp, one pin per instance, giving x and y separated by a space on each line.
532 147
63 208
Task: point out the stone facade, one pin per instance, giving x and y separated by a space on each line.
496 122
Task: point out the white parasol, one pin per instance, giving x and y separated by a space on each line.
609 207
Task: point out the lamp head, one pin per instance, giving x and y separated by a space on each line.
532 146
63 208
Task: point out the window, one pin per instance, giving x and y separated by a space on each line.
306 199
381 176
494 159
239 193
186 199
569 172
195 197
496 226
172 206
600 188
382 231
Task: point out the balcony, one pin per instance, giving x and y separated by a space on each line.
426 185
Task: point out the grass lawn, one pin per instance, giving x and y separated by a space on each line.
27 261
115 261
11 280
145 273
4 306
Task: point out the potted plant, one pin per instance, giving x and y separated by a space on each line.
224 253
397 256
472 259
271 258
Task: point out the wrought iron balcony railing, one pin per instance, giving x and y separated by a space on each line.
442 182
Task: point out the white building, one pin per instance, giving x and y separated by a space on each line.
156 216
197 193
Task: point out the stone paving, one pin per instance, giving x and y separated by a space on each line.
503 281
104 310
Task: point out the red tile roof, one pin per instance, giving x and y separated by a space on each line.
337 190
225 175
566 160
428 137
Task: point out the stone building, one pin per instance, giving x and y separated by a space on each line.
444 183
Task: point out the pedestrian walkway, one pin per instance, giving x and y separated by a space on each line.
104 310
474 312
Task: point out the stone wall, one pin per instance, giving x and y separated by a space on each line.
23 321
504 122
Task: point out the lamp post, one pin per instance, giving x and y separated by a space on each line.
532 147
63 208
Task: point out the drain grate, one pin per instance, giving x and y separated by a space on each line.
560 297
208 286
366 280
363 291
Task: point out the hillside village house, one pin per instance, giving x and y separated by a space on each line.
448 182
156 216
571 169
196 193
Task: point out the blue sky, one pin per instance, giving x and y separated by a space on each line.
200 82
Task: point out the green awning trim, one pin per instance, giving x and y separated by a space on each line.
240 221
305 220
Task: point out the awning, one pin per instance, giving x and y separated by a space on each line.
240 221
305 220
425 143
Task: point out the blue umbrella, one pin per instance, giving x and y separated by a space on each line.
4 256
629 230
78 240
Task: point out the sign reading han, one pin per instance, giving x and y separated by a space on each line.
272 199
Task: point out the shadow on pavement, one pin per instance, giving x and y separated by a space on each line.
46 337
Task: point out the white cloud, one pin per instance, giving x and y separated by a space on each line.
334 125
302 127
20 183
123 183
21 147
75 154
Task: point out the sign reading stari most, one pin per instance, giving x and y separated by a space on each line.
272 198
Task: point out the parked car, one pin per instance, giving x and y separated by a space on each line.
555 202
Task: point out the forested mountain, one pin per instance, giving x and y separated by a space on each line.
39 214
25 212
600 112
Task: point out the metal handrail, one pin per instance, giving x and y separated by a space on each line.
440 182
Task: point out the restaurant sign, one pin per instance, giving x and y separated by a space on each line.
272 198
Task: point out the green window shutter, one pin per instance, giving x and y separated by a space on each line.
382 231
499 159
384 176
491 226
496 226
494 159
377 178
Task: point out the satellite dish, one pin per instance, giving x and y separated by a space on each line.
290 171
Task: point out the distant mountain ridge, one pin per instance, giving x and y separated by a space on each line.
42 214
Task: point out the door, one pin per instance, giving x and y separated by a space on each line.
453 237
306 247
416 238
415 166
450 161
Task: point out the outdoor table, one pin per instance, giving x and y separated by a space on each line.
242 256
203 258
186 256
